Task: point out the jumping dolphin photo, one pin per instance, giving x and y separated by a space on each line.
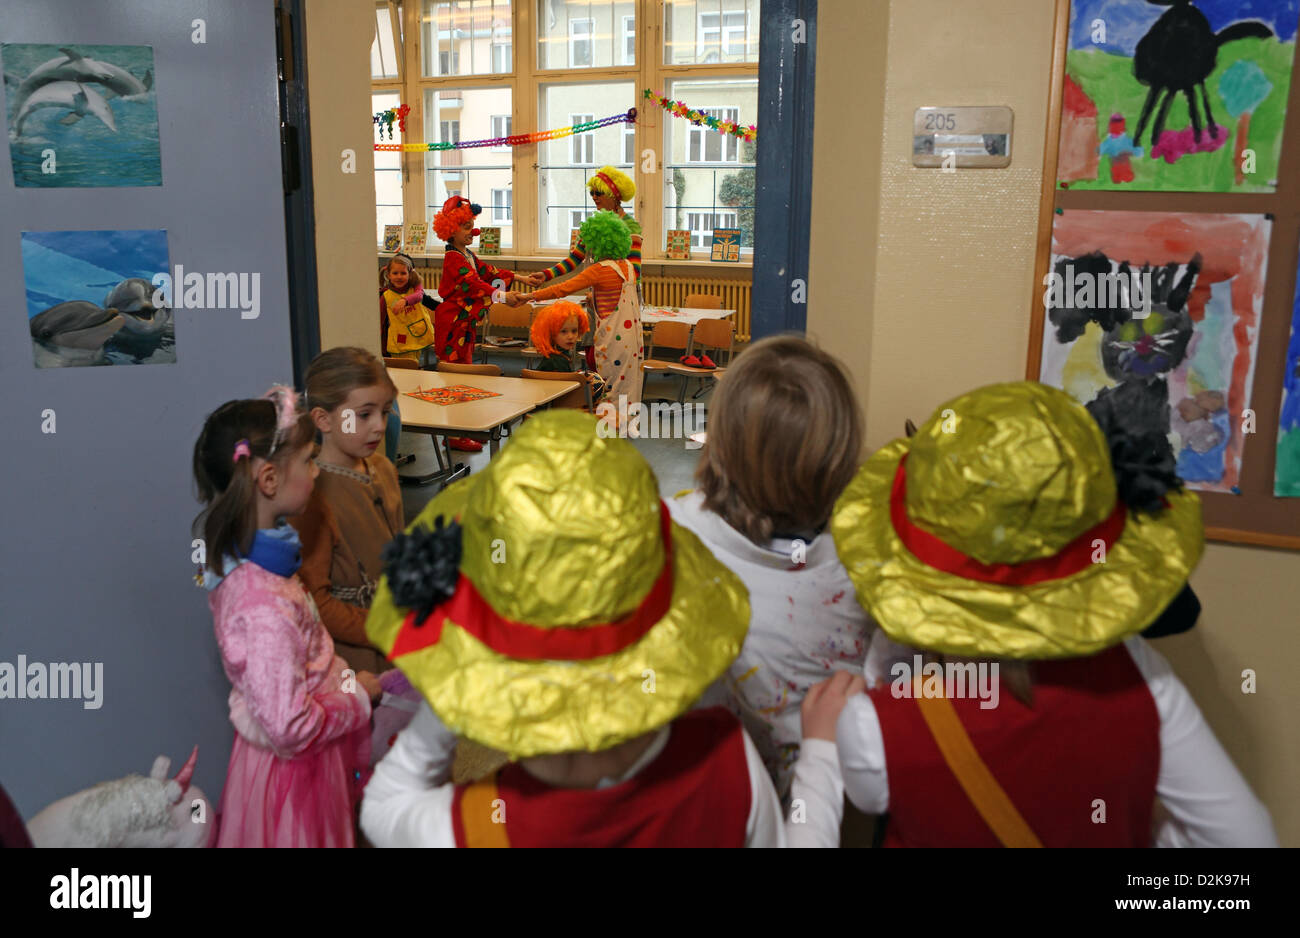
73 66
78 100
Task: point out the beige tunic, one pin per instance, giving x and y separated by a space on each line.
350 518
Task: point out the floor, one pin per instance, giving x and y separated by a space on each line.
672 457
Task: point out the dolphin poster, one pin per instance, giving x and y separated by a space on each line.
90 298
81 115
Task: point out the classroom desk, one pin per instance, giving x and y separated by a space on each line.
480 420
687 314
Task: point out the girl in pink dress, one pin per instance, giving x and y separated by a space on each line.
301 718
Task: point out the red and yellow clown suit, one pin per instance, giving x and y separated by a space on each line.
466 288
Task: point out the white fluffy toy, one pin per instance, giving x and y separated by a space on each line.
130 812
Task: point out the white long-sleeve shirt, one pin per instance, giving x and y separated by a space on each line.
408 801
1208 801
805 624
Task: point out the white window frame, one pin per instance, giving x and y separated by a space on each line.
583 141
579 215
722 32
626 34
508 205
506 118
727 143
590 39
507 51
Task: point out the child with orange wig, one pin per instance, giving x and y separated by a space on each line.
555 333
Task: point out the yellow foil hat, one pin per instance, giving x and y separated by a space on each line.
996 531
584 617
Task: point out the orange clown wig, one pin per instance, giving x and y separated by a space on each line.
551 320
455 212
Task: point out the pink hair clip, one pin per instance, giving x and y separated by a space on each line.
285 400
242 449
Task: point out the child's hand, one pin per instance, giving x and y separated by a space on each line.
371 685
514 298
825 700
534 280
400 302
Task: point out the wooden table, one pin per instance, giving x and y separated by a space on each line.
480 420
687 314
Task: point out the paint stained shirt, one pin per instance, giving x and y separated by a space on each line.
805 624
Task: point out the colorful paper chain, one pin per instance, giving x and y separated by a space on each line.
700 119
386 119
515 140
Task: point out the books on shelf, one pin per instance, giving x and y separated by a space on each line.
679 244
416 234
392 238
726 245
489 241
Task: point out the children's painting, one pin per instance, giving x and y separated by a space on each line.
1176 95
90 298
1286 475
1153 322
81 115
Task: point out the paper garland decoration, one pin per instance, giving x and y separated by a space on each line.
516 140
386 118
700 119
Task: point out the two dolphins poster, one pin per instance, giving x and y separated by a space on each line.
81 116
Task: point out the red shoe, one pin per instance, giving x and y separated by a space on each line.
706 362
464 445
691 361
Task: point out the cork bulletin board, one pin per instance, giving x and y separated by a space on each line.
1153 179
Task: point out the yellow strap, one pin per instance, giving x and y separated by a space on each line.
988 797
478 809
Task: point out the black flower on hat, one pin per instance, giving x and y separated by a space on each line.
423 566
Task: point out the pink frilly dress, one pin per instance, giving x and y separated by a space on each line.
300 737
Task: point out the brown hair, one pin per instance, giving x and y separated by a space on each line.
784 439
412 282
336 373
226 487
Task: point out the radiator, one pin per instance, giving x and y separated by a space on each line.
663 291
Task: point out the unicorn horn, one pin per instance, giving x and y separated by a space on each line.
187 770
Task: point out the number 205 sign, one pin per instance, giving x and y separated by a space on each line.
953 137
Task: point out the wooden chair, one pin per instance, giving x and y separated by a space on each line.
702 301
507 322
577 399
717 335
672 337
459 369
401 363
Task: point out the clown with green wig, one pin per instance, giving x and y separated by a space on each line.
613 279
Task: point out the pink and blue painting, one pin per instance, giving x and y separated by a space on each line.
1179 365
1176 95
1286 474
81 115
90 298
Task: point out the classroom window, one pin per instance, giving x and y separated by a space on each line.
710 32
466 37
469 81
501 128
383 50
594 34
565 165
388 172
708 173
477 173
502 206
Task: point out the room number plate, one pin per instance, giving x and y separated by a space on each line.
961 137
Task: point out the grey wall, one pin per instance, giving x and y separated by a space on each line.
95 557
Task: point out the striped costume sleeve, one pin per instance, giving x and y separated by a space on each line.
569 264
